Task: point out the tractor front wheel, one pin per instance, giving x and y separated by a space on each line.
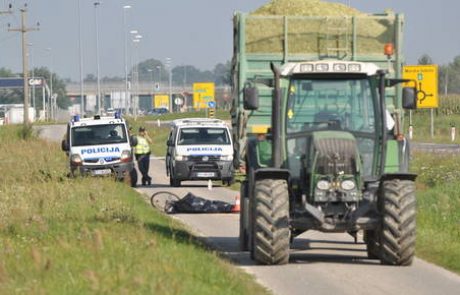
398 229
271 215
244 217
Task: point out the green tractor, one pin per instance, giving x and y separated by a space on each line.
333 161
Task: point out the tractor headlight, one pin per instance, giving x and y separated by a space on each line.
348 185
323 185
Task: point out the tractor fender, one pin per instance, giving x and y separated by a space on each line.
271 173
400 175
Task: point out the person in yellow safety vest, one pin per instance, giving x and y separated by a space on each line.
142 153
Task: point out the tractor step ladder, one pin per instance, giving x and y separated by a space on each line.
337 37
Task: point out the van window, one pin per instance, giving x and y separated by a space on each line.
98 134
203 135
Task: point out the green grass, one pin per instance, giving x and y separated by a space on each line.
438 212
442 127
93 235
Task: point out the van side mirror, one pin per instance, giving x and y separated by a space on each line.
169 142
250 98
132 140
64 145
409 98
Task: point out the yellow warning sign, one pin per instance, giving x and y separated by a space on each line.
203 95
426 78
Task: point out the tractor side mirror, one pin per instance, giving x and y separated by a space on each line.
64 145
250 98
409 98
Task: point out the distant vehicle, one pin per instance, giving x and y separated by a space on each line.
158 111
199 149
99 146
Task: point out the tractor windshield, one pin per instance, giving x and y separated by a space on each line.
331 104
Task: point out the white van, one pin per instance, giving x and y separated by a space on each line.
199 149
99 146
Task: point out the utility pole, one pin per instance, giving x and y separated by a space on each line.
99 99
25 65
80 55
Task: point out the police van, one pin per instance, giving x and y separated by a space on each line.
199 149
99 146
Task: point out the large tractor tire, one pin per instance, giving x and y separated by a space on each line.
398 231
244 217
271 216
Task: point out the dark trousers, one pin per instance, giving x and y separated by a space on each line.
143 162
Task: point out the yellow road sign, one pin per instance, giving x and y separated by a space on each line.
203 93
426 77
161 101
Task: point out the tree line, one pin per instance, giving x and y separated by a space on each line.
155 71
448 75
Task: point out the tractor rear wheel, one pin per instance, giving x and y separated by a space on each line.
271 215
398 230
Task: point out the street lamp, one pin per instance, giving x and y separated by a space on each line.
151 77
99 100
159 76
49 50
169 65
126 7
82 100
31 66
136 40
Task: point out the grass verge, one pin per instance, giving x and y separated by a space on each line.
438 215
93 235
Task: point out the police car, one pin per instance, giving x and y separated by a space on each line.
99 146
199 149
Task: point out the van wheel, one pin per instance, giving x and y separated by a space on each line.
227 182
173 181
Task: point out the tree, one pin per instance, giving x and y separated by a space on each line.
222 73
90 78
150 67
9 96
425 59
192 73
59 87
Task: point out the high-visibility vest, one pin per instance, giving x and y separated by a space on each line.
142 146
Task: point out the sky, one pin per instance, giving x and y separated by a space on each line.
190 32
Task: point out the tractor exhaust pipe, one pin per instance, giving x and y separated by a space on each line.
276 118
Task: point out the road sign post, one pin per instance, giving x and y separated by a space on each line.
426 78
203 93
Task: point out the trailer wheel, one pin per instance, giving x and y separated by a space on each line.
271 214
398 230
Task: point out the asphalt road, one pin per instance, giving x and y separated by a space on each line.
319 263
